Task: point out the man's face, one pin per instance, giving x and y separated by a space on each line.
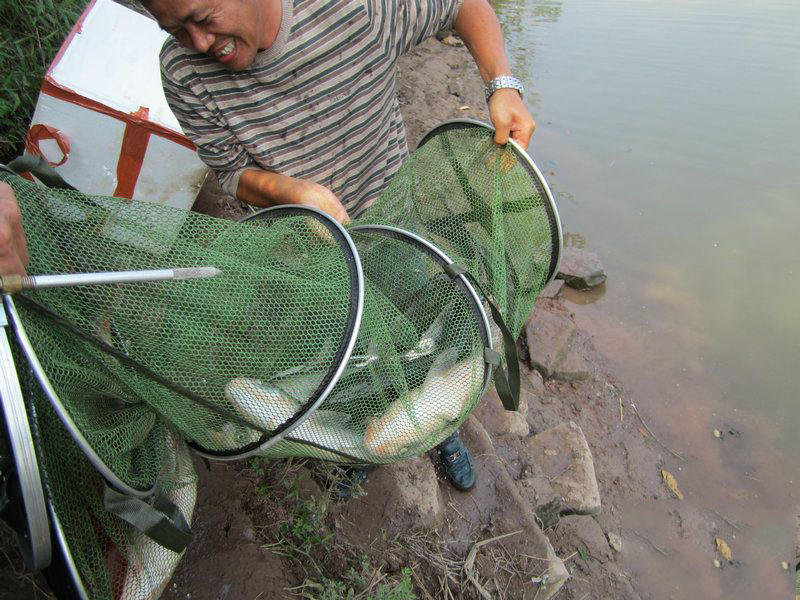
232 31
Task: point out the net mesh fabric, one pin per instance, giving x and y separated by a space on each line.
282 302
113 560
484 206
416 370
232 361
289 352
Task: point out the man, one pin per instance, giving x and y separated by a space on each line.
293 101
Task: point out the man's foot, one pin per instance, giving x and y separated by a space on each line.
457 463
352 480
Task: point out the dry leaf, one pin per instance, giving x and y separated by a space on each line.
669 479
724 549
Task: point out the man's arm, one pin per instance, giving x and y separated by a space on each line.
218 148
478 26
13 249
266 188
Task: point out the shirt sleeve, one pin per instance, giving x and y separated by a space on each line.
216 146
420 19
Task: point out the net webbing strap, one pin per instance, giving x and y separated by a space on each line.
161 521
506 382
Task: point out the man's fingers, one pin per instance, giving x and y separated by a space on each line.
340 215
510 117
20 244
502 130
524 134
11 267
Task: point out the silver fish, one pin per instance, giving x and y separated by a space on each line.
264 406
269 407
411 419
331 429
149 564
428 341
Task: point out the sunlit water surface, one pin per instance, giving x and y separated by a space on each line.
670 134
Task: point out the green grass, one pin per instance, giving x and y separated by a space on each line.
303 530
360 584
30 35
301 536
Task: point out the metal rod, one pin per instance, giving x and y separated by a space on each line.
15 283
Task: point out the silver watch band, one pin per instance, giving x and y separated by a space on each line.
504 81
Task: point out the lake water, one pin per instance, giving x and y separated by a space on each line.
670 134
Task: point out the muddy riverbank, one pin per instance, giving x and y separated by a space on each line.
669 546
270 531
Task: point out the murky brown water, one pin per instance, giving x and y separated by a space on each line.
670 132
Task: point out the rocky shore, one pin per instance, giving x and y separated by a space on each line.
545 519
555 479
542 519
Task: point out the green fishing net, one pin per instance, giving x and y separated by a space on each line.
487 207
368 343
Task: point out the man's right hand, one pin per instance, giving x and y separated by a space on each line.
265 188
13 249
309 193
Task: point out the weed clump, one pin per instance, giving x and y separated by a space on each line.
298 532
31 34
363 584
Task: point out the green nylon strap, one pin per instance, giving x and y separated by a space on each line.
507 387
507 384
454 270
162 521
39 167
492 357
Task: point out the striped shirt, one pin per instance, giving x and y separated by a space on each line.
319 104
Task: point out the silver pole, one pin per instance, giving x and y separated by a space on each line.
16 283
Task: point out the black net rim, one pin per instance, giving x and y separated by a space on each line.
62 413
463 283
538 180
35 545
342 354
66 554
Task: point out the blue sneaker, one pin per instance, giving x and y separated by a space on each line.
457 463
352 480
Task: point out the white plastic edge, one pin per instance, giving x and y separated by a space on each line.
24 451
71 567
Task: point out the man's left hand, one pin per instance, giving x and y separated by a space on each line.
510 117
13 249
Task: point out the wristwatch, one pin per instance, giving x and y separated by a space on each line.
504 81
